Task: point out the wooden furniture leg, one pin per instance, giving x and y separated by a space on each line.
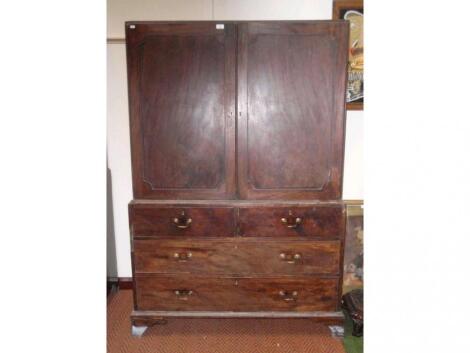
140 325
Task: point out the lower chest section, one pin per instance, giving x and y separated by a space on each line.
237 258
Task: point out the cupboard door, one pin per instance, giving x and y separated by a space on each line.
182 109
291 100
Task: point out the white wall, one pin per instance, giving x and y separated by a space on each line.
120 11
272 9
352 181
118 152
118 143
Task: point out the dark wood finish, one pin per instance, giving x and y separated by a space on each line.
241 203
237 138
125 283
182 109
114 284
147 321
179 293
318 221
146 220
291 93
238 257
353 304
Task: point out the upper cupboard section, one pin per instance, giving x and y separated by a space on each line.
251 110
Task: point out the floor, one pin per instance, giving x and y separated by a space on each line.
352 344
216 335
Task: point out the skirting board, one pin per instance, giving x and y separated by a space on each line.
120 282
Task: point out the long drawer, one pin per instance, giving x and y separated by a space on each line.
237 257
146 220
319 221
191 293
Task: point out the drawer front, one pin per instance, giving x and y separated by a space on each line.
321 221
237 257
190 293
181 221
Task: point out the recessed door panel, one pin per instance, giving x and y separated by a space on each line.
182 94
291 94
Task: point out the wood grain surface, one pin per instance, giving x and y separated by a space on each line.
235 294
160 221
237 257
181 98
324 222
237 144
291 92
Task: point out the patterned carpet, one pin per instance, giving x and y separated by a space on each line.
216 335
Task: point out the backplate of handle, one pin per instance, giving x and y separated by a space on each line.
182 256
290 221
183 294
288 296
182 221
289 257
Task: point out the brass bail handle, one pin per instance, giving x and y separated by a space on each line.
291 221
183 294
182 221
288 296
290 258
182 256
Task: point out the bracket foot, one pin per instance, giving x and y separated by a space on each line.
337 331
138 331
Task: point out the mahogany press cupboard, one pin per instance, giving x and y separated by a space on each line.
237 138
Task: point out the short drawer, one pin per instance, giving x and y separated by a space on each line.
241 257
182 221
190 293
321 221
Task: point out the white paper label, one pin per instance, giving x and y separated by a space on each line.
219 26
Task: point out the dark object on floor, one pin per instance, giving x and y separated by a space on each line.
353 303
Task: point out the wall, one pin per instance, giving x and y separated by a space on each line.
118 149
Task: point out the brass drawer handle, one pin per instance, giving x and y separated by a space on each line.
290 221
290 258
182 256
183 294
288 296
182 221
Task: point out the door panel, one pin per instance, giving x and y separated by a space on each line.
291 96
182 96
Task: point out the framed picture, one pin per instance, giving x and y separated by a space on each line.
353 11
354 249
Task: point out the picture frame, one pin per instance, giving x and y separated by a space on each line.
353 11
